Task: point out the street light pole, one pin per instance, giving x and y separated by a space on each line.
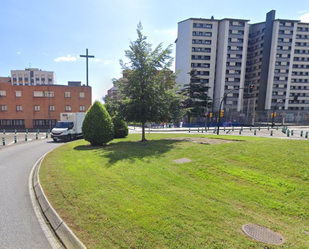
224 96
273 116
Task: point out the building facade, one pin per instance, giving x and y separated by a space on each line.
273 56
39 106
32 77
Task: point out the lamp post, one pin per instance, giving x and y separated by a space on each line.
224 97
274 111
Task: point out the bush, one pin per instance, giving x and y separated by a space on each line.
98 128
120 127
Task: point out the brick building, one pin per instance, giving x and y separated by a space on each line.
39 106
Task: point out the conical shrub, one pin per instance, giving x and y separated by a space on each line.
120 127
98 128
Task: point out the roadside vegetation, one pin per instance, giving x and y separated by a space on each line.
129 194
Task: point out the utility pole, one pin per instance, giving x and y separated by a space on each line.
87 56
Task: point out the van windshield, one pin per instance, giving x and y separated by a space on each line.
62 125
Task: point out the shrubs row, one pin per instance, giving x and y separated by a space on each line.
98 128
120 127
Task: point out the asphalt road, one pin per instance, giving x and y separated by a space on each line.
19 225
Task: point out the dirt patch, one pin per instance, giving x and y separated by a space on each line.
201 140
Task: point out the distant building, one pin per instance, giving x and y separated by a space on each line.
32 77
273 56
36 106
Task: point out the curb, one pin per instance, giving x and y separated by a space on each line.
60 228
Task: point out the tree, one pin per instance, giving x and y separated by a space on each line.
148 91
120 127
197 98
98 128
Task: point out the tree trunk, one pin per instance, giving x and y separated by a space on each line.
143 133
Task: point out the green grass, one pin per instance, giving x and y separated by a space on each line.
133 195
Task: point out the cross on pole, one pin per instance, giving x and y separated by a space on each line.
87 56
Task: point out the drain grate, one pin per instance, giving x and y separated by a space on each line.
263 234
182 160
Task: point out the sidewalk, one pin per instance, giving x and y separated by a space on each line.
294 132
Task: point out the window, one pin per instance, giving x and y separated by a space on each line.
17 93
49 94
67 94
5 122
67 108
82 94
82 108
38 94
19 108
52 108
18 122
36 108
4 108
2 93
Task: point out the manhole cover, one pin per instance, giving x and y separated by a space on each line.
182 160
263 234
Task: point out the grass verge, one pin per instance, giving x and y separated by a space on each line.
133 195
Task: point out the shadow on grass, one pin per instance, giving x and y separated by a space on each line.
130 150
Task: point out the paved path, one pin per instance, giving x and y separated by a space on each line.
19 226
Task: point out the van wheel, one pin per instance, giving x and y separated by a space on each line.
55 139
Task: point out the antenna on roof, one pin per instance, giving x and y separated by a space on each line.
212 17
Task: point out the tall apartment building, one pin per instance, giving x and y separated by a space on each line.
231 53
32 76
37 106
217 49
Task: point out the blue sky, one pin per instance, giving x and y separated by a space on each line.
50 35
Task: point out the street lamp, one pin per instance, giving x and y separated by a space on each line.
224 97
274 111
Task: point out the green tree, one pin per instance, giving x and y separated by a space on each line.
120 127
98 128
148 91
112 106
196 96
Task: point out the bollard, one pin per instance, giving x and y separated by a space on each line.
306 136
36 136
46 134
15 139
26 131
198 129
250 128
233 128
292 132
288 133
3 131
48 131
267 127
301 133
259 128
15 131
215 130
271 133
224 128
3 141
38 131
240 132
254 132
26 137
202 131
277 128
189 130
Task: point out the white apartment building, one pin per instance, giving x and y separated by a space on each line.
273 56
217 49
32 76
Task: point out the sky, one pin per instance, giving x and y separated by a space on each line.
50 35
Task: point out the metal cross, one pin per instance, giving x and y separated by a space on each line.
87 56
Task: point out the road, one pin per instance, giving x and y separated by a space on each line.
19 225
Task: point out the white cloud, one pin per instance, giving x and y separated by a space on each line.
18 52
107 62
302 11
170 32
65 58
95 60
304 18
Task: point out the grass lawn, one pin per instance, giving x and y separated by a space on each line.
133 195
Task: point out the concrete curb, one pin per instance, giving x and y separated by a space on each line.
62 231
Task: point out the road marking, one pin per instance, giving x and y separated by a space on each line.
49 235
